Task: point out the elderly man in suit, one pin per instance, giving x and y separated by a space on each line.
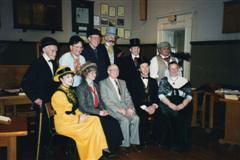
39 86
119 104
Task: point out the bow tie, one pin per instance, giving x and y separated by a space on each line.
167 58
51 60
144 77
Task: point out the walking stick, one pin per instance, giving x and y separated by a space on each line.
39 131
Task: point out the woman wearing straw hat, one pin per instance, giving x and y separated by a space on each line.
90 102
69 121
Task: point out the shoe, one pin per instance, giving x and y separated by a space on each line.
136 148
124 150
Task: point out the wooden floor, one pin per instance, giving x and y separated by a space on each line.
205 147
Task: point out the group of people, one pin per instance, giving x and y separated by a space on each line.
105 101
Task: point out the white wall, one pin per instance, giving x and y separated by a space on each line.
207 19
7 32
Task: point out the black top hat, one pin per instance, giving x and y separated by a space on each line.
135 42
93 31
46 41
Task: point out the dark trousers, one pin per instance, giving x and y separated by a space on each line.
112 132
45 134
148 126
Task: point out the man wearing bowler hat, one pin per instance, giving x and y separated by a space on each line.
93 52
114 53
159 63
39 86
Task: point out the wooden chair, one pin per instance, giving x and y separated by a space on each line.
197 103
71 151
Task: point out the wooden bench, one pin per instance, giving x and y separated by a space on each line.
9 133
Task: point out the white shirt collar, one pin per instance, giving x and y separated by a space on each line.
164 56
177 82
45 56
89 82
133 56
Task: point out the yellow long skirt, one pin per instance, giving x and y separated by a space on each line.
88 135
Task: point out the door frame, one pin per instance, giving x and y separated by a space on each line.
182 21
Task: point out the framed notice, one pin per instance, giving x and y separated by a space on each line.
82 15
127 34
103 30
120 11
104 9
112 11
37 14
120 32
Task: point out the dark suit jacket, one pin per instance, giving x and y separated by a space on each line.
139 93
117 53
129 72
102 61
38 80
85 99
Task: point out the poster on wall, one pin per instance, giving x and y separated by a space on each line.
82 15
112 11
104 9
120 11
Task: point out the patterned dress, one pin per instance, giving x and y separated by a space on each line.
88 135
175 125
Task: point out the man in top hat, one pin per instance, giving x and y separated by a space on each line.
93 52
145 99
39 86
114 53
159 63
74 59
129 64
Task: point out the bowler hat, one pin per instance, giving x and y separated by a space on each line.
135 42
142 61
111 31
163 45
46 41
87 67
93 31
61 71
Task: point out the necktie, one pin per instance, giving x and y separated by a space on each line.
135 61
77 64
95 53
118 87
110 49
95 96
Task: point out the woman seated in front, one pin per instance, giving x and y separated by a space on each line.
90 102
175 95
86 130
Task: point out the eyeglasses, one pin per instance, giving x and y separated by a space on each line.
78 47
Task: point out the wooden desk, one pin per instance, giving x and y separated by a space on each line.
12 100
8 134
232 119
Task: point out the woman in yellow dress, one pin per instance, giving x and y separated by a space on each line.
85 130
